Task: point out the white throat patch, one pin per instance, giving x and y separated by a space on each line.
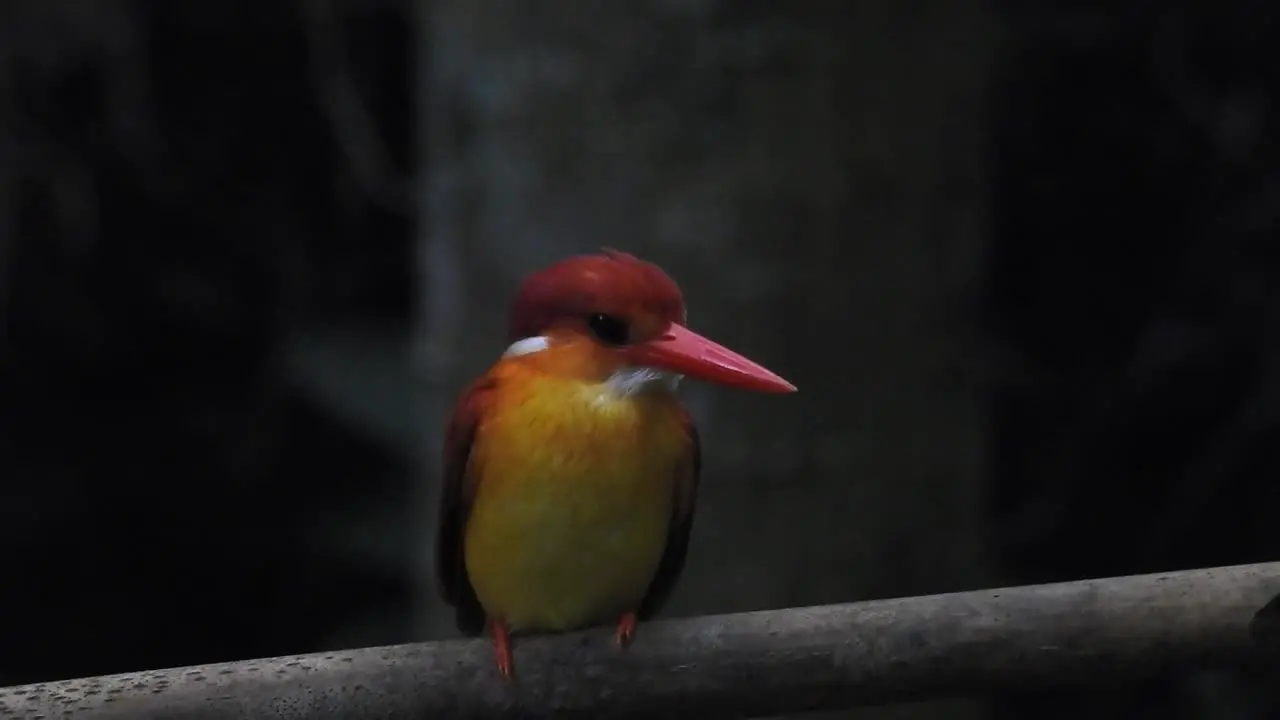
631 381
627 382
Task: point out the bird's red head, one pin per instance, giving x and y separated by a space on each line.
633 311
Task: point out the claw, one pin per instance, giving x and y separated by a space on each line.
626 630
502 647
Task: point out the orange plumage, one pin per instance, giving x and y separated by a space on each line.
571 467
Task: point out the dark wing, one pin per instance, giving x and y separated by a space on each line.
457 494
688 475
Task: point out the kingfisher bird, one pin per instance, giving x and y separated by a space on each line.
571 467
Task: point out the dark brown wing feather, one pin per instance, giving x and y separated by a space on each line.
457 494
673 558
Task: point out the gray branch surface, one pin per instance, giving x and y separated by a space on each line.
736 666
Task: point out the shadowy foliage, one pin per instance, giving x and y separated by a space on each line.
1134 277
177 207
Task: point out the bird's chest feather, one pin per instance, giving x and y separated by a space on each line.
572 505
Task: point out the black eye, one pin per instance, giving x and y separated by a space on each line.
608 329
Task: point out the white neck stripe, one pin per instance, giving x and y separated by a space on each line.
527 346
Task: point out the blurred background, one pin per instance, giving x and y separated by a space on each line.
1021 261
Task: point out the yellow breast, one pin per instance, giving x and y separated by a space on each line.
573 502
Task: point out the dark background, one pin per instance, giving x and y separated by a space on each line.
1021 261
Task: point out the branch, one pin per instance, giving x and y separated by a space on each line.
736 666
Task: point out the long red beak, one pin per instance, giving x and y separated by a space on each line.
683 351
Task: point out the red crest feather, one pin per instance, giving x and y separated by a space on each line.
610 281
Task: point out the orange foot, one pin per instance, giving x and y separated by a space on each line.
626 630
502 647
